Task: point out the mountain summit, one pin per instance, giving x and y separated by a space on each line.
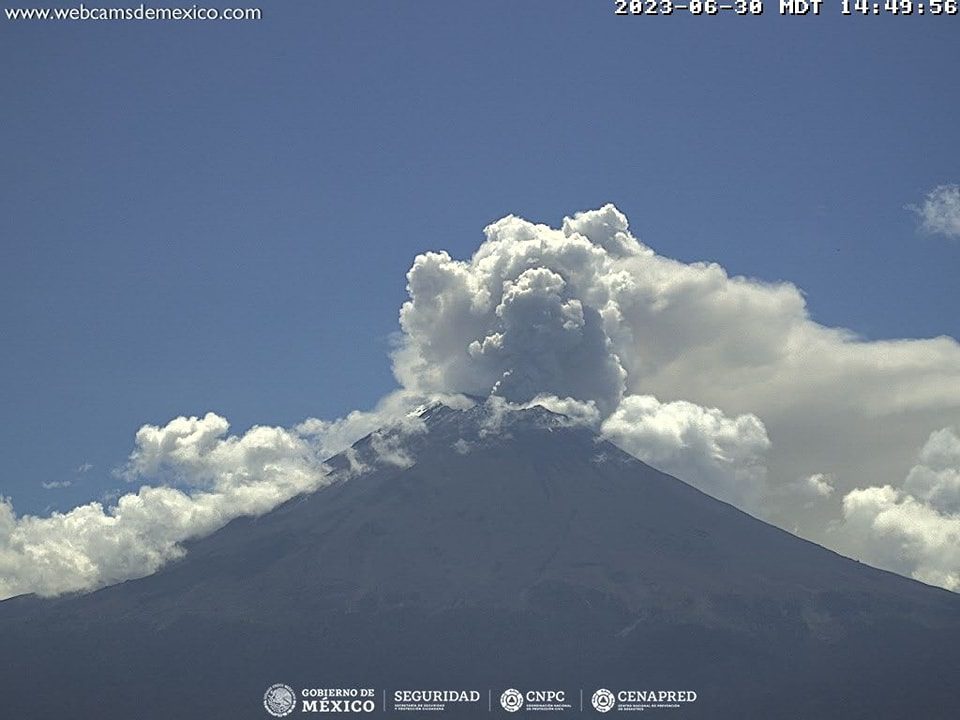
490 547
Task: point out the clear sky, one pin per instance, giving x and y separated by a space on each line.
219 216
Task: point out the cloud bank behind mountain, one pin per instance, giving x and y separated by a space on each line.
726 382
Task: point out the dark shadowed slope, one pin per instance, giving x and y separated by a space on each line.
524 555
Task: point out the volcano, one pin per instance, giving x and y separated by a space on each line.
485 551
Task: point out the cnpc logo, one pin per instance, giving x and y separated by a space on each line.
513 700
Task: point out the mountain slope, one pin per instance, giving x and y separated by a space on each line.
514 550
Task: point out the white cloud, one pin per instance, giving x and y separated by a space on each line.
896 531
940 211
60 484
935 479
817 486
914 530
56 484
722 456
225 477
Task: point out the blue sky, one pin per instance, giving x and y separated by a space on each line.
219 216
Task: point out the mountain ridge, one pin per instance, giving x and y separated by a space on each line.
489 545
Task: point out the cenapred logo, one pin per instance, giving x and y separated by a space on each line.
603 700
511 700
279 700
